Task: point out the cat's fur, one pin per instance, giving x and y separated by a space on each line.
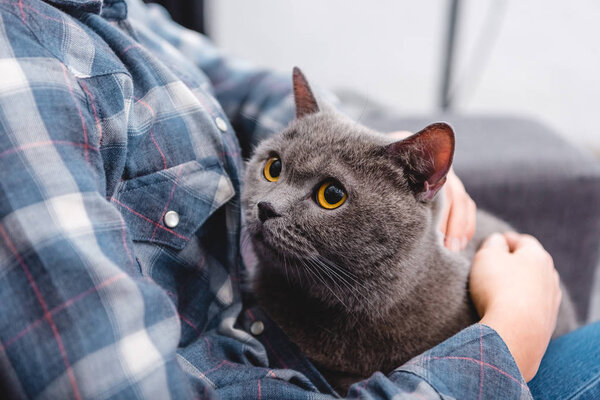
366 286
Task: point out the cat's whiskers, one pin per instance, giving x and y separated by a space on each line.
335 277
298 272
342 271
322 280
332 278
331 266
287 277
307 269
245 242
340 279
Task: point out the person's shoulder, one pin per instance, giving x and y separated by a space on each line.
37 34
34 29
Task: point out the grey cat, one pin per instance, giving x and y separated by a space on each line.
344 225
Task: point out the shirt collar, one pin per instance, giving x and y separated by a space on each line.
112 9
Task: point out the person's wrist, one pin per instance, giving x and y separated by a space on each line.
523 348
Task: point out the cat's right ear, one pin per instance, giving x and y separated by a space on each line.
426 157
306 103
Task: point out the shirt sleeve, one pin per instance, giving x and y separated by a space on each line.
258 101
75 320
473 364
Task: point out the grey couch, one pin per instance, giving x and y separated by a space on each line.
525 173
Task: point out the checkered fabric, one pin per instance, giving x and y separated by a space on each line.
107 122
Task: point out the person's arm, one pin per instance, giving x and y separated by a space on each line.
77 319
258 101
516 291
475 362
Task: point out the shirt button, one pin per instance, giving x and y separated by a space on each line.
257 328
171 219
221 124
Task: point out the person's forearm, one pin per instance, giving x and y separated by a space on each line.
517 339
515 289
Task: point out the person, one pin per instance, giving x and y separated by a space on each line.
121 240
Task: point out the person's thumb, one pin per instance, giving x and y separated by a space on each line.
495 241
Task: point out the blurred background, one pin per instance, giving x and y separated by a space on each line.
535 58
493 61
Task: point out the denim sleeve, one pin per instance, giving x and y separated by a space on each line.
257 101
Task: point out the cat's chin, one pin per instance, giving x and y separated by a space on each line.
266 251
266 242
270 254
264 248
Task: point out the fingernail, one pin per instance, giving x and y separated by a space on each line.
463 243
455 244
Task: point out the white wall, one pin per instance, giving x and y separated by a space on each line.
544 61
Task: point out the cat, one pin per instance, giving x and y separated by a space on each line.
343 221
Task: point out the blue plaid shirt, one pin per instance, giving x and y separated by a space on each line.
109 125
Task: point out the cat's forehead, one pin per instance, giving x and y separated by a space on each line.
323 138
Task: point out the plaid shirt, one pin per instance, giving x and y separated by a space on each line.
109 125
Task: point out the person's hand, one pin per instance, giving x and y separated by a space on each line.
516 291
458 216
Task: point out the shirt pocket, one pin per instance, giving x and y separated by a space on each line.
193 190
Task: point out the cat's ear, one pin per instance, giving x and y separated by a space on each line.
427 158
303 96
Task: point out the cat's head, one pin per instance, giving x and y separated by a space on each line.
334 207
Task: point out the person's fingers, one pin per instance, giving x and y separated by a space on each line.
471 220
458 220
495 241
444 218
457 225
445 212
518 241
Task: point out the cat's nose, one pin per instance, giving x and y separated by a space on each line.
266 211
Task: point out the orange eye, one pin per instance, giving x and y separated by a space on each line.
272 169
331 195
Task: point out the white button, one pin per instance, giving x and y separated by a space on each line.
257 328
221 124
171 219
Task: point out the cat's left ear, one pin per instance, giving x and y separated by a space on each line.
306 103
427 158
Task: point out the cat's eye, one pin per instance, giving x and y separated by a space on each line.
331 195
272 169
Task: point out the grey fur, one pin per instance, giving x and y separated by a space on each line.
366 286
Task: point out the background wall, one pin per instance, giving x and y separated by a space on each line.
537 58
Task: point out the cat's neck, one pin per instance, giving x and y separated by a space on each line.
440 275
435 307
